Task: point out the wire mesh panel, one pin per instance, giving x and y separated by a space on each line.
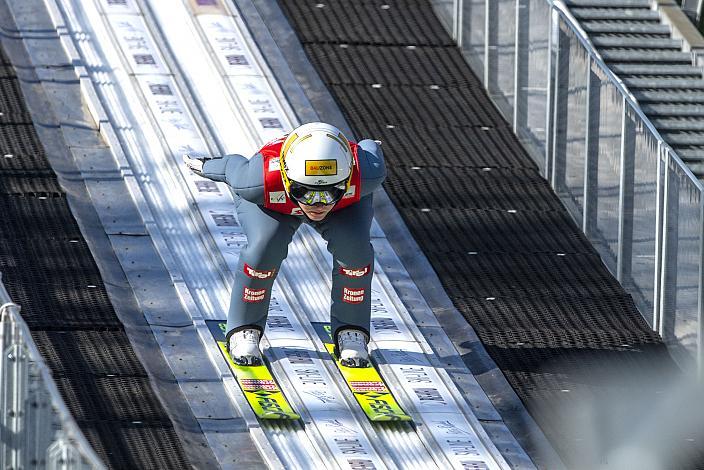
607 172
570 121
534 52
641 182
474 34
681 259
638 205
502 54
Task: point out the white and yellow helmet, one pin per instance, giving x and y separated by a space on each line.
316 155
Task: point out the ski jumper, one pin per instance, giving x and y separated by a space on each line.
269 219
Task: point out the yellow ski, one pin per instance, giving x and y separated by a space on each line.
258 385
366 385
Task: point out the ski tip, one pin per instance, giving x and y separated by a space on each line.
392 419
280 416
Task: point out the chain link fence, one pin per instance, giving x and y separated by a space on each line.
36 428
636 200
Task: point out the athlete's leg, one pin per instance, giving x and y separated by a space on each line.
347 234
268 235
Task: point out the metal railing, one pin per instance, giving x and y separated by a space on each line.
36 428
635 199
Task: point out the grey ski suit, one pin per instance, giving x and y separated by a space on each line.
269 233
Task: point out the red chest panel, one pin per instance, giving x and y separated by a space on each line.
275 197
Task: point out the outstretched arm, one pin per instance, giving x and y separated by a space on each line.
371 165
244 176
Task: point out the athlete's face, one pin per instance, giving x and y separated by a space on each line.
316 212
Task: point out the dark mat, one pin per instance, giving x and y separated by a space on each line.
49 271
366 22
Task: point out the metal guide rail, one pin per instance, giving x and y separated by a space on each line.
187 79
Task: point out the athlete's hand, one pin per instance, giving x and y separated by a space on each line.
194 164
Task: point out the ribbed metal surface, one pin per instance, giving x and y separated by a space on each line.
646 56
640 14
23 182
610 3
399 65
20 149
629 27
627 40
12 97
476 147
665 83
548 311
94 352
417 106
669 96
658 69
48 270
679 110
133 444
372 22
499 275
473 188
546 232
584 322
36 211
111 398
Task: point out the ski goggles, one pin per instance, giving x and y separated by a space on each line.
310 195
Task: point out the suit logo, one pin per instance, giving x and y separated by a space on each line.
355 272
277 197
352 296
255 274
253 295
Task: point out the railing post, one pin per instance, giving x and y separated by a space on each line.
549 101
7 397
700 293
625 199
39 431
457 22
520 69
591 151
487 27
14 393
659 227
664 264
668 301
492 39
562 73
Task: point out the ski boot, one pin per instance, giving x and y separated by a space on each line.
352 348
244 347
